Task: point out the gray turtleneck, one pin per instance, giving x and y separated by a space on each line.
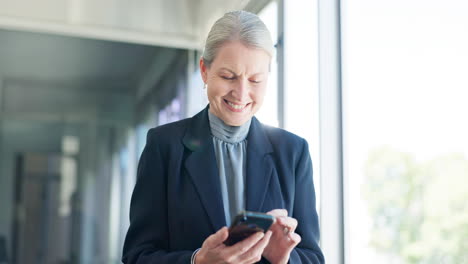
230 145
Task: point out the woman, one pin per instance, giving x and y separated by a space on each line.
195 175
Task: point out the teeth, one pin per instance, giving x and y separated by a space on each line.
237 107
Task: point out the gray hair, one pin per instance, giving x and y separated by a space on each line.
241 26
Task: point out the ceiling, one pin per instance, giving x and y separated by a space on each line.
79 42
45 57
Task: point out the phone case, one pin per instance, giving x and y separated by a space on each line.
247 223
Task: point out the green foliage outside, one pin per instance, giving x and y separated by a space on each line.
419 209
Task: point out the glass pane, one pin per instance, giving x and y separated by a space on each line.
406 150
268 113
301 115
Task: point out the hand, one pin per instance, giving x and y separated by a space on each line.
283 239
247 251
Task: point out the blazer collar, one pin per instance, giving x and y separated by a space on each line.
198 135
203 169
259 166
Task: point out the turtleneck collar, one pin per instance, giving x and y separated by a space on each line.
229 134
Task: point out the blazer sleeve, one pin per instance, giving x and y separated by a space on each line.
147 239
305 212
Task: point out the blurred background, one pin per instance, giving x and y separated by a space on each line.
378 88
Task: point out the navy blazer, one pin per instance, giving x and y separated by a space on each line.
177 201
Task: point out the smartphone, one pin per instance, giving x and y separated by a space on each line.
247 223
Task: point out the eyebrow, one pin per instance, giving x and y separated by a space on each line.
226 69
235 74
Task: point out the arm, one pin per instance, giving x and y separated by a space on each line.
147 239
305 212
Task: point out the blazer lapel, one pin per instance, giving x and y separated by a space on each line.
202 167
259 166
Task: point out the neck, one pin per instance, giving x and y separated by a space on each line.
230 134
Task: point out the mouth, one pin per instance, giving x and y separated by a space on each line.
235 107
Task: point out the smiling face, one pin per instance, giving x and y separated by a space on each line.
236 80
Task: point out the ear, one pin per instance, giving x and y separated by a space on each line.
203 70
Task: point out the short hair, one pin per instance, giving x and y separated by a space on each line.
241 26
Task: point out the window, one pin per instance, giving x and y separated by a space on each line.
406 149
301 101
268 113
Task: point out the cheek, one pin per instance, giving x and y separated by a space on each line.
218 88
259 94
215 90
212 96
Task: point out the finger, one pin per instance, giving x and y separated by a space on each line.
277 227
243 246
264 241
254 254
282 227
295 239
288 222
217 238
278 212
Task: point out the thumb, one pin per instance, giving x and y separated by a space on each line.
217 238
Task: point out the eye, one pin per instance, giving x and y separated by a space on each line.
255 81
228 78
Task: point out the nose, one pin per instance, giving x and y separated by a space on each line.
241 90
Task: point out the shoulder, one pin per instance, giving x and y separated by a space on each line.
288 148
282 138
